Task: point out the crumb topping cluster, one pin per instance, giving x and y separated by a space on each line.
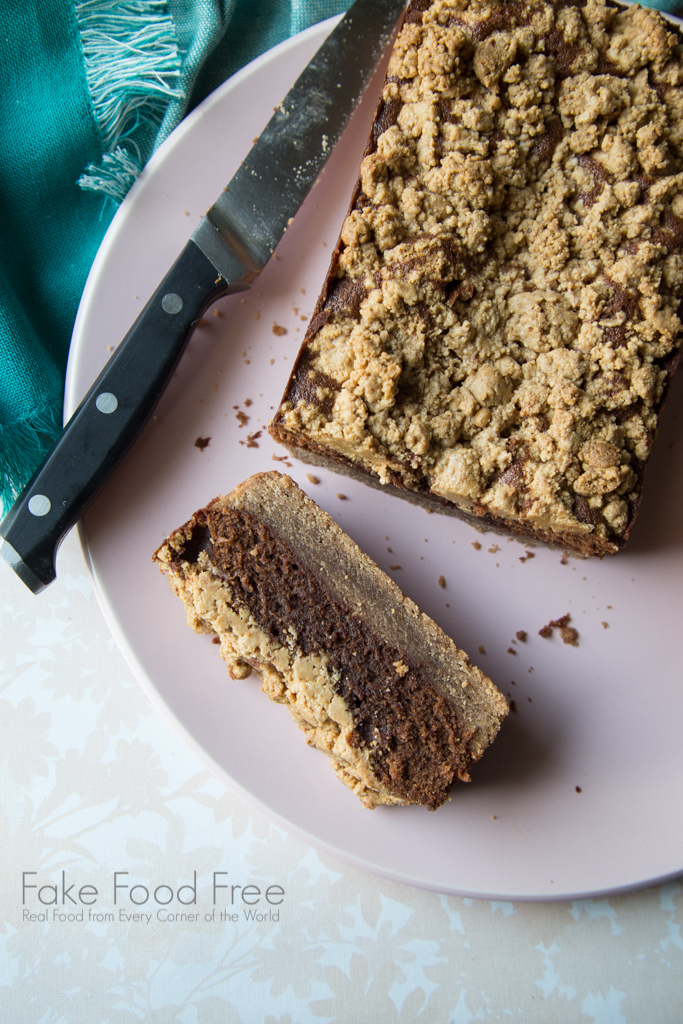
505 306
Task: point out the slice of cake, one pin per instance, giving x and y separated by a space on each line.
501 318
371 680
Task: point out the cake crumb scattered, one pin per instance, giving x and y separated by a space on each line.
578 789
568 633
521 635
342 497
442 582
279 330
394 567
605 625
511 650
202 443
242 418
312 479
476 545
482 649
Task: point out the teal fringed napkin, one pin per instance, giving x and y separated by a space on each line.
88 90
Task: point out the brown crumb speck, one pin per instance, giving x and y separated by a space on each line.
521 636
476 545
312 479
442 582
578 789
482 649
202 443
511 650
342 497
513 707
568 633
279 330
242 418
394 567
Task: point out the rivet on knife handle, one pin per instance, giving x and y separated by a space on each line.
225 254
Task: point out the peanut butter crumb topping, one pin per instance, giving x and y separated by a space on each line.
505 307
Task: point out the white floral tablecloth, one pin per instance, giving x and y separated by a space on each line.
135 888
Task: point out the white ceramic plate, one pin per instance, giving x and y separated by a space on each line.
581 793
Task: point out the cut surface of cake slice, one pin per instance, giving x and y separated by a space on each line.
501 318
372 681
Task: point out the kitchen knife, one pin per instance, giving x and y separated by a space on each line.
225 254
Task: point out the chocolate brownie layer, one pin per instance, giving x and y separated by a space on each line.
501 319
371 680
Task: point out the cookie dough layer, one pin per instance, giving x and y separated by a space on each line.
371 680
501 318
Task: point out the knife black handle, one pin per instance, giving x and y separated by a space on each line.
108 420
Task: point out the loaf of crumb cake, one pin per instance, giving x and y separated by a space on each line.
501 318
372 681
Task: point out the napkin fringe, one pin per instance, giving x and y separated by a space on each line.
132 65
25 443
114 176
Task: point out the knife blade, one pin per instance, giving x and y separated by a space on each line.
226 253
